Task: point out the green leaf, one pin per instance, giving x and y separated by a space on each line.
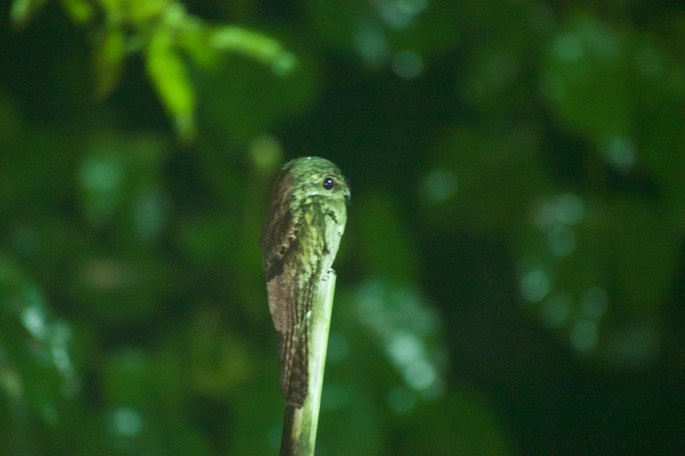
142 12
585 78
80 10
107 61
23 11
193 38
255 45
37 366
168 73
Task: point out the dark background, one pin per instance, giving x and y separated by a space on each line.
511 277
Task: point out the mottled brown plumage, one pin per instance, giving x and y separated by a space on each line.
301 236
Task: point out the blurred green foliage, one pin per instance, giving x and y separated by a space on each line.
164 33
511 279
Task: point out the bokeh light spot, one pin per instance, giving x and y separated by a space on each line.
570 209
372 45
33 318
619 151
149 210
420 374
535 285
49 413
404 348
101 174
561 240
406 328
126 421
568 47
407 64
584 335
439 185
400 13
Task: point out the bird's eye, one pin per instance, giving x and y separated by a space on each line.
328 183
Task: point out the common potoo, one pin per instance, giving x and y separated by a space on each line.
305 222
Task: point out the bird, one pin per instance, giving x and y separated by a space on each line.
305 222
